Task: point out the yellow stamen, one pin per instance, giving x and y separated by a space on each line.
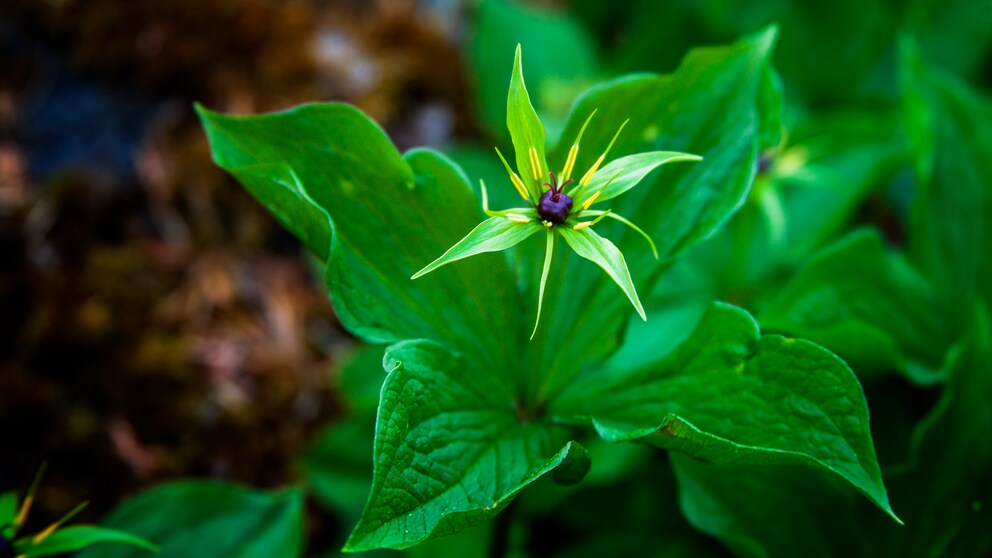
514 178
574 151
592 170
591 200
25 508
519 185
44 534
570 162
516 218
581 226
535 163
548 224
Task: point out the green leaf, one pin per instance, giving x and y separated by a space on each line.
950 129
527 132
624 173
279 189
709 107
941 494
866 304
492 235
765 510
450 451
731 395
84 536
948 486
203 519
390 215
605 254
8 511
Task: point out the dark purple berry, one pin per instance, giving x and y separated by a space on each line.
554 204
554 207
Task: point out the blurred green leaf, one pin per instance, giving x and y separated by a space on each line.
764 511
203 519
950 130
729 394
865 303
78 537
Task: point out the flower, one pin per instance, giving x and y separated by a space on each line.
551 206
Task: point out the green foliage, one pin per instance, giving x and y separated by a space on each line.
867 304
470 413
512 362
731 395
201 519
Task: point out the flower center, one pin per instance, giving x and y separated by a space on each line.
554 205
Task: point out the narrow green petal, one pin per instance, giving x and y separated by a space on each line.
492 235
526 131
624 173
548 254
603 253
625 221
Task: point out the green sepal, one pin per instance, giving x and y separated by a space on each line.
492 235
549 252
526 130
624 173
606 255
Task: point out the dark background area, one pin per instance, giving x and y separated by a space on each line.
156 322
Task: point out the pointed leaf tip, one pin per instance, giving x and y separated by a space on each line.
492 235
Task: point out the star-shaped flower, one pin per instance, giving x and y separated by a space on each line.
556 204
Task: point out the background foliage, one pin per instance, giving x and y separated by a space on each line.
859 221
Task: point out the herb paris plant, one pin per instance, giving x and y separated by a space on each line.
552 208
470 413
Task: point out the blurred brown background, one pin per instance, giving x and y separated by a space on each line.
155 322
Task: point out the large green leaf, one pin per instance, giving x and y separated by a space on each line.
707 107
950 128
450 451
941 493
390 215
731 395
865 303
202 519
